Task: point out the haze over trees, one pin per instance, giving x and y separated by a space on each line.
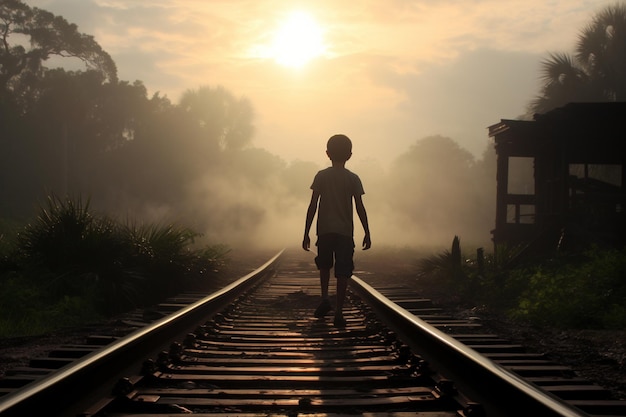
86 133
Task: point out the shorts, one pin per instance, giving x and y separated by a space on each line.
340 248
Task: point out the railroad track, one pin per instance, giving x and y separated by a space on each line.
253 348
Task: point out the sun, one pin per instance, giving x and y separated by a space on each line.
297 41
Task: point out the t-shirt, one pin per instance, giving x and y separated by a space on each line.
337 187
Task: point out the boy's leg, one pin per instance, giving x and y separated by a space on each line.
324 306
344 266
342 285
324 281
324 262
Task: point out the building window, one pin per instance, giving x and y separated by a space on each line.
607 173
520 213
521 178
595 190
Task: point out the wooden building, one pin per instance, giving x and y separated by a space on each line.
561 180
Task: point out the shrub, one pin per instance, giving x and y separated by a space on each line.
70 262
588 292
584 290
8 244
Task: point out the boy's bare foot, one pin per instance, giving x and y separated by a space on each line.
339 320
323 309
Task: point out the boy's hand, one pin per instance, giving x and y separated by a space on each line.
306 243
367 243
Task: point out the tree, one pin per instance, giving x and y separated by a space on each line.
432 188
68 139
597 72
47 35
83 119
219 116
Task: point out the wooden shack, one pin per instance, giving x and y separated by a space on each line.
561 178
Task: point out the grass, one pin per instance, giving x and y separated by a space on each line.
582 290
70 266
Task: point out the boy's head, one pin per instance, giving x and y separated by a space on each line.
339 148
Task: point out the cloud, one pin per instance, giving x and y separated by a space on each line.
474 91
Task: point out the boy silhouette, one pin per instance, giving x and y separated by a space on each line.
335 188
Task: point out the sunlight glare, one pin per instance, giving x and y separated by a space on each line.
297 41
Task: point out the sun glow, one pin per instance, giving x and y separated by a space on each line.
297 41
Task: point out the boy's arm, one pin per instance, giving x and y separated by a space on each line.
310 213
360 210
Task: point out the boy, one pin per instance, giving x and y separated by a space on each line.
335 187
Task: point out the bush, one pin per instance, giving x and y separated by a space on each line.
587 293
586 290
8 242
445 269
69 263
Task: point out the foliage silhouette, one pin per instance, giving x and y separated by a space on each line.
79 133
48 35
586 290
70 256
219 116
596 72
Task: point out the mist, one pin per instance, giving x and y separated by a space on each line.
434 191
237 169
195 163
86 134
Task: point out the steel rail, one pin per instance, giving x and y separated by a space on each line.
81 378
498 388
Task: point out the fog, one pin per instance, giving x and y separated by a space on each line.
429 194
238 169
195 163
248 197
413 85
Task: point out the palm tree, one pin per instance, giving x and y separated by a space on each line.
597 72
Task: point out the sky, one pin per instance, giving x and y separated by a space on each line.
387 72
